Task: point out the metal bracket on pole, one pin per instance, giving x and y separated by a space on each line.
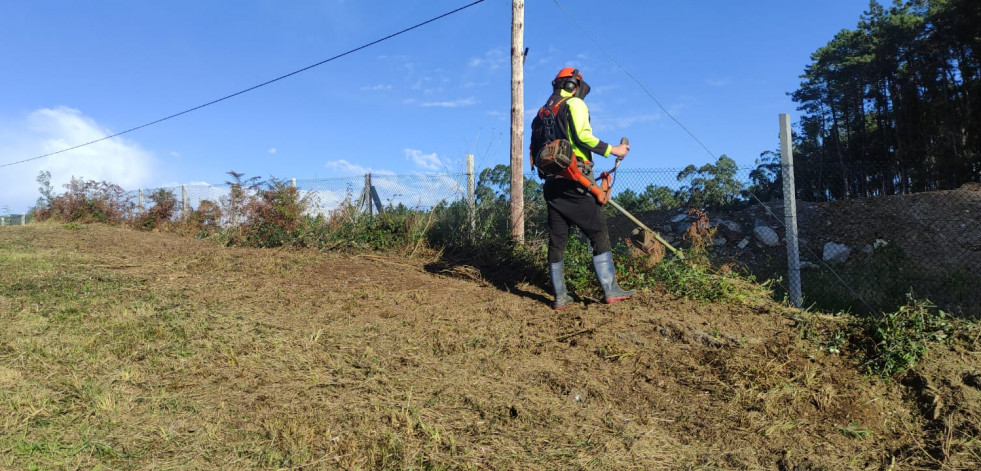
369 196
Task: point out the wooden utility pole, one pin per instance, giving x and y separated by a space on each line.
517 120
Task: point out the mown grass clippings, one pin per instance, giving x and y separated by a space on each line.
190 355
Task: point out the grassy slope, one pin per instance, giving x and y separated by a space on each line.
131 350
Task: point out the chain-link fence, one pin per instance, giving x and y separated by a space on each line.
860 254
14 220
856 254
372 192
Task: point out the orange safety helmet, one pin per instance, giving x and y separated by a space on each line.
570 80
567 79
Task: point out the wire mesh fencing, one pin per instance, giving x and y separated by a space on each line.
856 254
14 220
372 192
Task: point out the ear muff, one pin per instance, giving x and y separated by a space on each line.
567 79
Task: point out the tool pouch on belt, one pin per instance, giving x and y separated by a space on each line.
555 157
600 191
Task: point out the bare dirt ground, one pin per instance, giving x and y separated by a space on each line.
235 358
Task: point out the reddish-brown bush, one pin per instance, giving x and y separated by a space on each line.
87 201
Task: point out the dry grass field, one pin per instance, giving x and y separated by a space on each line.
129 350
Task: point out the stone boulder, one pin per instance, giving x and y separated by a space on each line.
836 253
766 236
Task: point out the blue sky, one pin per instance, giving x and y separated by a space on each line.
75 71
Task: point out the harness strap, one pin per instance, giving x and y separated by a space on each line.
547 115
548 118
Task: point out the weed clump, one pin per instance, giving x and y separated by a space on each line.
888 344
84 202
162 211
274 216
894 342
693 275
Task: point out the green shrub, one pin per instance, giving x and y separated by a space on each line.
274 215
694 276
894 342
579 272
396 229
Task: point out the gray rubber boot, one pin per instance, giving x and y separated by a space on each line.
606 275
556 271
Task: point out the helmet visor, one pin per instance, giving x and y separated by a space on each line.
583 90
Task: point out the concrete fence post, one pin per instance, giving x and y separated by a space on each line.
367 189
471 198
184 201
293 182
790 210
23 219
140 201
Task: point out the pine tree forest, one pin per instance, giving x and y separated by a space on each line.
894 106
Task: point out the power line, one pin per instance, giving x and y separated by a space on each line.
639 83
390 36
767 208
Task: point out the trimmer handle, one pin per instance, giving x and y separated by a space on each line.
623 140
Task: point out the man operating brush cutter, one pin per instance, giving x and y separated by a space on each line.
562 143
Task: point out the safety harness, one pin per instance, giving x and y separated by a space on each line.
557 157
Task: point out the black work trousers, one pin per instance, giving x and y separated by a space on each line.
570 204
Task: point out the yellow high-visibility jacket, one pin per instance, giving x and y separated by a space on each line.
579 131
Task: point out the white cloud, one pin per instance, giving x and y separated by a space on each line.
272 150
621 122
717 82
118 160
379 87
418 191
173 184
450 104
343 168
426 161
491 60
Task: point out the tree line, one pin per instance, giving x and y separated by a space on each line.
893 106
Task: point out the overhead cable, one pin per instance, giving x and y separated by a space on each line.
639 83
263 84
765 207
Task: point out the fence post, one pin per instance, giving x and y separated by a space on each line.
140 203
471 198
184 201
23 219
367 192
293 182
790 210
369 196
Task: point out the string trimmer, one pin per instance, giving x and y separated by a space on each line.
606 186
